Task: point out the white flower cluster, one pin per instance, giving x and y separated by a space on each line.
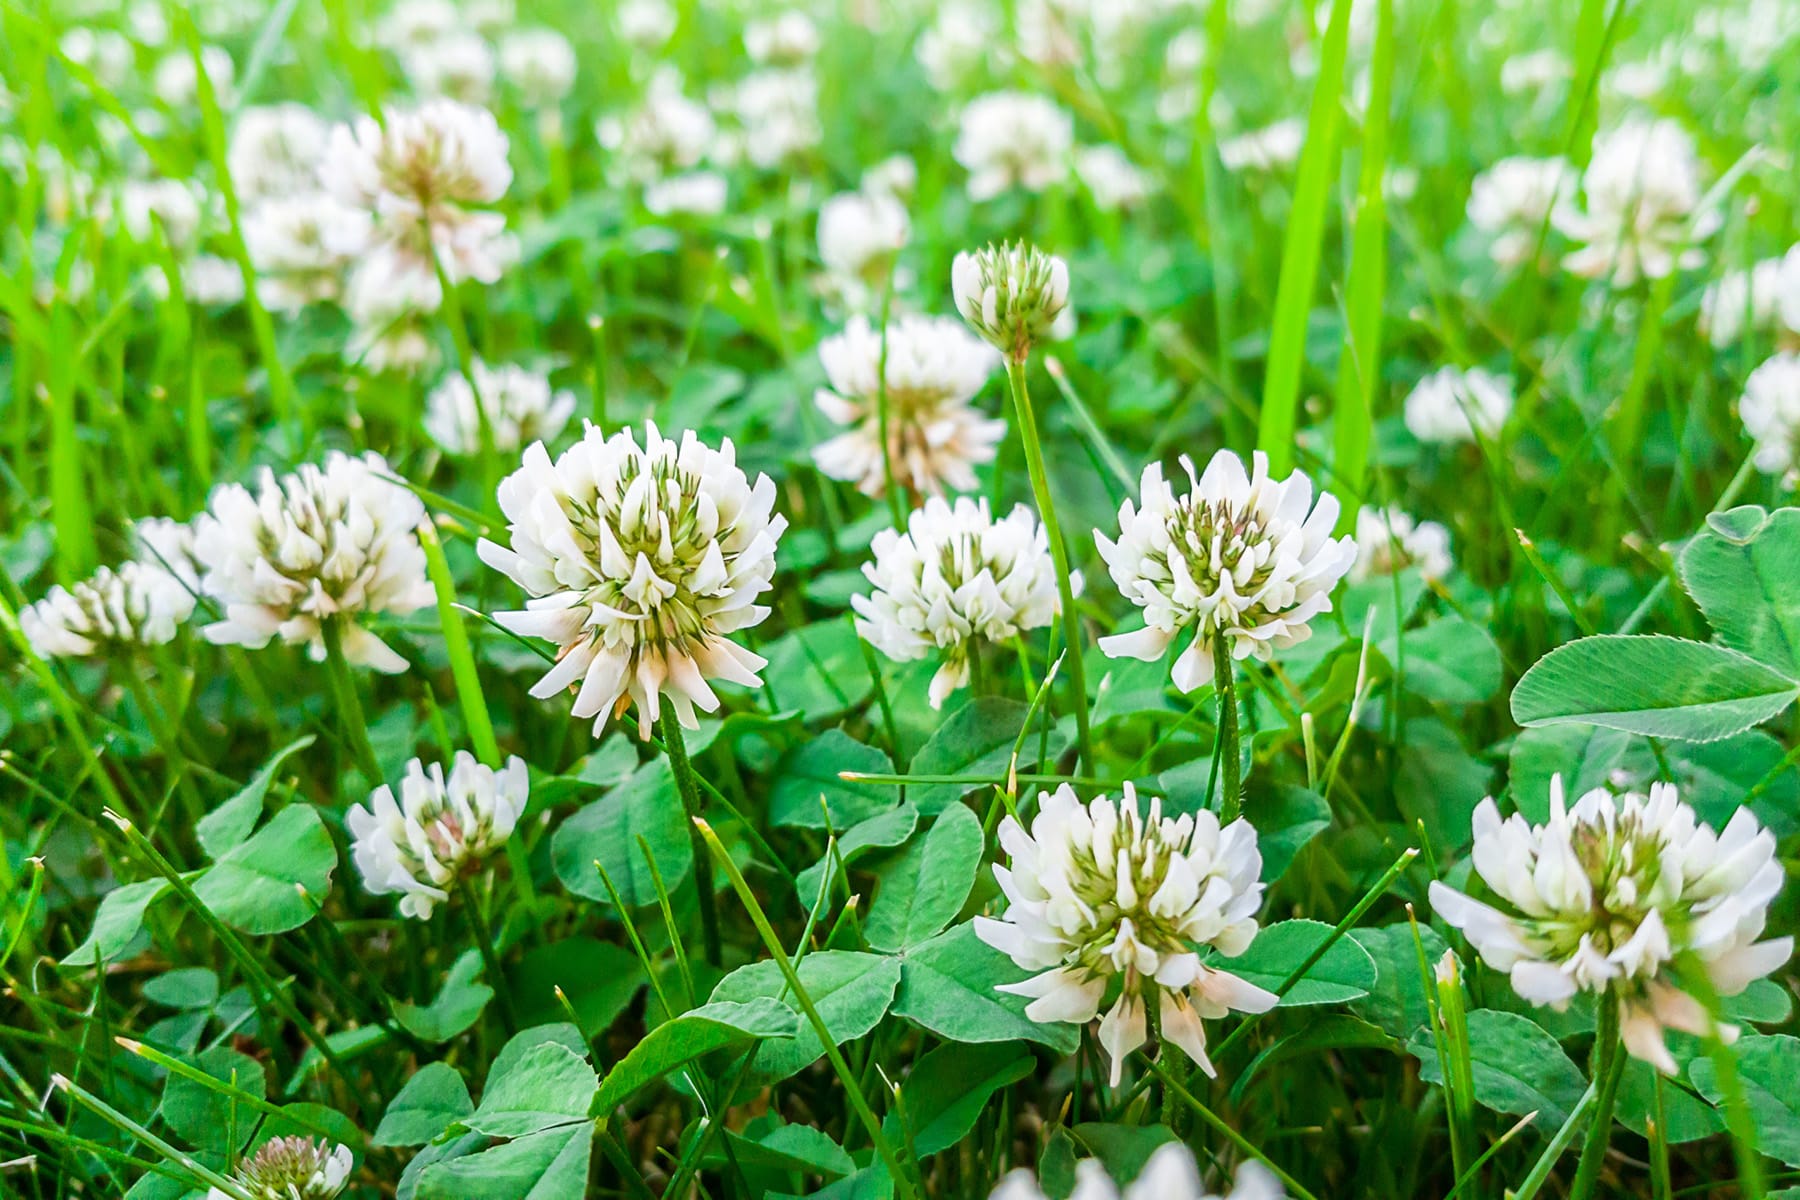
275 151
438 830
1388 540
518 402
1641 215
1511 203
640 562
1271 148
860 234
954 578
539 64
778 112
111 612
1101 892
1453 405
1620 895
1169 1174
1240 557
787 39
1013 140
336 542
1012 294
1111 178
959 42
660 145
1765 295
1770 410
935 436
292 1168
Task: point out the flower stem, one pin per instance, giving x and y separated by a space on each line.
484 938
1608 1070
1225 684
350 712
884 420
668 727
1059 554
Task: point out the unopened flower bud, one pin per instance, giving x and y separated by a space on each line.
1011 294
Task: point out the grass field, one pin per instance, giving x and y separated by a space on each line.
995 598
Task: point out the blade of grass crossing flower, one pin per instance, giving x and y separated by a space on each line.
1468 1177
1097 440
1224 1129
224 1087
262 52
1300 253
1353 421
1591 47
125 1124
903 1181
456 647
1540 1170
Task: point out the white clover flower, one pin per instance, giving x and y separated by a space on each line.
417 177
1012 294
860 234
276 150
1271 148
390 303
1787 290
691 194
1048 32
956 576
540 64
177 84
413 23
210 280
167 545
302 246
1742 300
1388 540
1453 405
1110 178
667 133
785 40
459 66
1534 71
1620 895
519 404
171 205
1182 59
1239 557
1512 201
1642 214
896 175
1169 1174
105 52
439 829
1013 140
936 437
640 563
645 24
779 110
1770 410
958 43
1098 892
327 542
111 612
293 1168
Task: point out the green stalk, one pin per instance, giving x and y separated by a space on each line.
903 1182
1225 685
484 940
1607 1070
1059 553
350 711
1540 1170
668 726
117 1119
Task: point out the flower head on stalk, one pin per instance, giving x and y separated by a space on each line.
1170 1174
1239 557
1388 540
521 407
324 543
1010 294
1624 895
936 437
111 612
1102 893
438 829
953 578
293 1168
1770 410
640 562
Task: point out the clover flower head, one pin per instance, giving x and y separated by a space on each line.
1770 410
519 404
1623 894
112 612
667 133
1103 893
1013 140
785 40
645 24
177 84
896 175
171 205
540 63
438 830
1388 540
1271 148
413 23
1642 213
955 577
276 150
958 43
779 110
106 52
336 542
168 545
418 177
859 235
690 194
1170 1174
640 561
1745 300
1240 557
1111 178
1512 200
1011 294
935 435
459 65
302 246
1453 405
293 1168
